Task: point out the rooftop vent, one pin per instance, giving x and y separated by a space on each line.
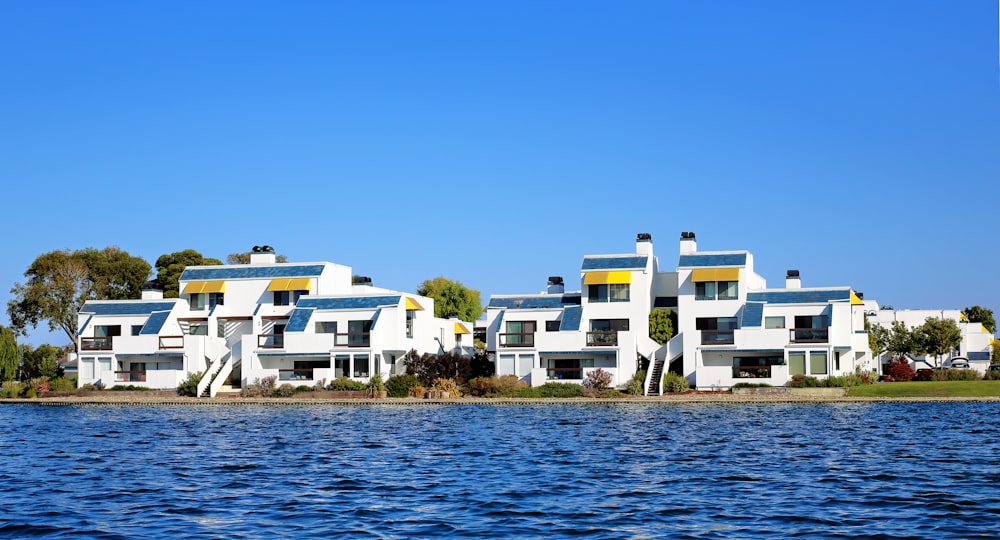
792 273
262 249
688 235
555 280
362 280
644 237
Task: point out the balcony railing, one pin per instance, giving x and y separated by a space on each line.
718 337
521 339
353 339
602 338
809 335
271 341
96 343
130 376
751 372
302 374
171 342
571 374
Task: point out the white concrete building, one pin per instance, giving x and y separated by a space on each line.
976 340
302 322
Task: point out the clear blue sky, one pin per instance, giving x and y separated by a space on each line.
497 143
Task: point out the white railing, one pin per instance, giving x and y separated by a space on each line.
223 375
206 379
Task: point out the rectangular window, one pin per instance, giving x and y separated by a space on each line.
136 329
836 360
361 365
817 363
704 290
326 327
104 330
552 326
755 367
104 365
618 293
728 290
525 362
597 293
198 328
410 314
281 298
197 301
810 321
87 368
519 333
216 299
359 333
342 366
797 363
774 322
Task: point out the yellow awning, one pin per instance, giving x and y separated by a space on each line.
608 278
293 284
855 301
412 304
699 275
205 287
461 329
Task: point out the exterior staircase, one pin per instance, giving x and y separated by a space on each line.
655 378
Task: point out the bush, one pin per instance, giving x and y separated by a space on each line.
399 385
598 379
260 387
609 393
62 384
375 385
751 385
902 372
304 388
128 388
447 385
190 385
343 384
673 382
285 390
634 388
503 386
559 390
956 375
992 376
430 367
417 391
11 389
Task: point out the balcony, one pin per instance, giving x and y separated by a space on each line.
752 372
564 374
809 335
130 376
718 337
353 339
96 343
521 339
271 341
602 338
171 342
304 374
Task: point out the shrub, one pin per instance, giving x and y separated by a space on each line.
260 387
319 386
634 388
343 384
128 388
503 386
992 376
804 381
375 385
190 385
430 367
598 379
751 385
956 375
304 388
447 385
901 372
399 385
609 393
558 390
11 389
531 392
285 390
91 387
417 391
673 382
62 384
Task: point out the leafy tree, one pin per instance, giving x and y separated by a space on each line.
40 361
169 268
900 341
430 367
982 315
995 351
59 282
10 355
452 297
661 325
937 337
878 338
244 258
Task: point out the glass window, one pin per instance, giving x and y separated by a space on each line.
342 366
104 364
198 329
410 314
619 293
326 327
552 326
216 299
797 363
281 298
361 365
197 301
704 290
520 333
817 363
103 330
597 293
728 290
136 329
87 368
358 333
298 294
774 322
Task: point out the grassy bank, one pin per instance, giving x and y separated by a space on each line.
928 389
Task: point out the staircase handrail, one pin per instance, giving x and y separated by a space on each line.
222 376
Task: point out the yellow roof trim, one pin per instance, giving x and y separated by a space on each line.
412 304
292 284
461 329
963 317
280 284
214 286
855 301
727 274
194 288
699 275
617 277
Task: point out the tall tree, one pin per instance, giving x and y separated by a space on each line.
661 325
169 268
59 282
40 361
878 339
982 315
452 297
10 355
244 258
937 337
900 341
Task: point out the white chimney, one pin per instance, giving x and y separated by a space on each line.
688 243
262 255
792 280
644 244
151 293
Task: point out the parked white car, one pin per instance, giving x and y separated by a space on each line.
959 362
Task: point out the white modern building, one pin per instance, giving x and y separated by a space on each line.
301 322
976 340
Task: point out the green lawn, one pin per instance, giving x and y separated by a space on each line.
928 389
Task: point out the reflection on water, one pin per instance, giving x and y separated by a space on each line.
632 470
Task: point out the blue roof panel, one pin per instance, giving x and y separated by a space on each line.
346 302
252 272
615 263
801 296
713 259
126 307
299 319
534 302
154 323
571 319
752 314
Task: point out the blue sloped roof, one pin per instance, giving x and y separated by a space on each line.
251 272
299 319
752 314
571 318
346 302
126 307
615 263
375 319
534 302
154 323
800 296
713 259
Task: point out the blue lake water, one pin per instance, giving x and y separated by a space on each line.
879 470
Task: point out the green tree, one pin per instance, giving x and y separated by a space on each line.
40 361
10 355
878 339
452 297
900 341
244 258
169 268
981 315
661 325
937 337
59 282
